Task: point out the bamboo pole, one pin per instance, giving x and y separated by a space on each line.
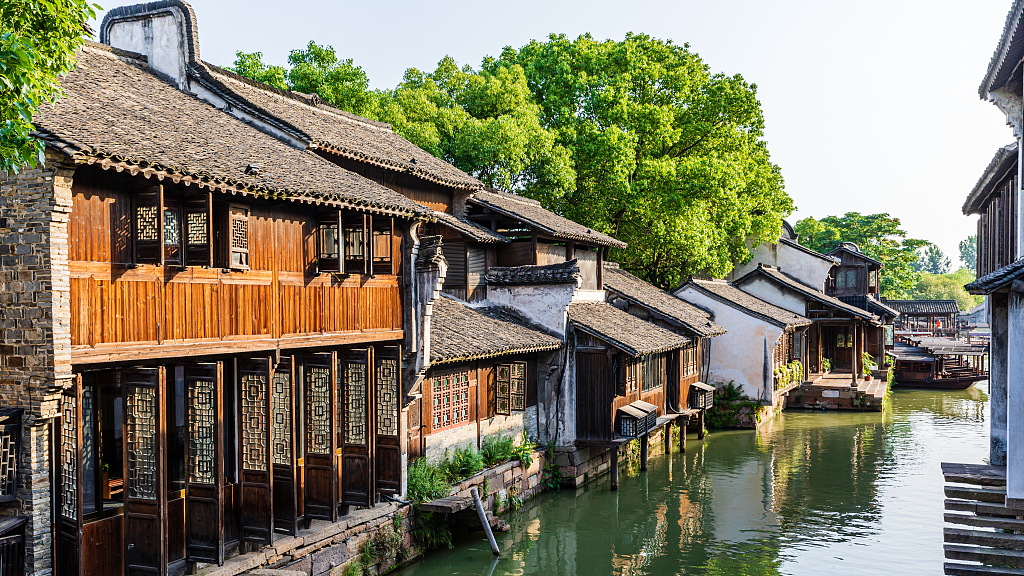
483 520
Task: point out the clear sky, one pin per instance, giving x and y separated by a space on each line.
870 106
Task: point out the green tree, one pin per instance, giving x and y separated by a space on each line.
668 156
314 70
932 260
947 287
969 252
879 236
38 40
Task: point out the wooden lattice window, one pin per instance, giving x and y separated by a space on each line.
380 248
690 363
510 388
387 397
654 370
254 422
798 345
238 236
329 246
172 235
10 444
281 417
354 403
449 400
354 241
202 418
197 232
148 225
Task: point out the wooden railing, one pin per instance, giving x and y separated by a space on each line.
12 547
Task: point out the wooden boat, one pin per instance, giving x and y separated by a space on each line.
943 366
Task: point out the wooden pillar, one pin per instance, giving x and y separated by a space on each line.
1015 401
700 429
853 352
668 438
682 437
643 451
615 468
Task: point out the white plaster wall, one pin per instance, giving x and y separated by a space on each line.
771 292
159 36
810 270
445 442
544 305
738 356
763 254
589 296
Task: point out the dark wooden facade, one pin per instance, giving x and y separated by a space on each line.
237 372
997 222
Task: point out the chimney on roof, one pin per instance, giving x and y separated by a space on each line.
165 32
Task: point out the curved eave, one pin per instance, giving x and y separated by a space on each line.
494 354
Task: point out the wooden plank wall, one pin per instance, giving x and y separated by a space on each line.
997 237
281 296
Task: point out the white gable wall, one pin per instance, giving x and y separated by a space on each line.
771 292
743 355
810 270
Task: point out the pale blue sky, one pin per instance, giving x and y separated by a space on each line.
870 106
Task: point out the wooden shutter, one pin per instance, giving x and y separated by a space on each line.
455 253
69 478
330 245
238 237
355 428
204 470
321 492
517 386
145 483
255 458
797 345
147 226
283 448
198 228
387 388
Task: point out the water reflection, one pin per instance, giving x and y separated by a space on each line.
809 493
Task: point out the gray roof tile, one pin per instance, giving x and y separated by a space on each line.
728 294
459 333
562 273
531 212
623 330
630 287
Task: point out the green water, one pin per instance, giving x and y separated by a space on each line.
810 493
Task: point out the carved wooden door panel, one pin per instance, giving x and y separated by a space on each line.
321 483
69 478
145 484
282 448
355 428
204 469
255 460
387 450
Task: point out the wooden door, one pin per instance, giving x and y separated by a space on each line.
354 428
844 349
255 462
594 393
69 490
321 479
387 450
204 470
145 483
282 448
672 387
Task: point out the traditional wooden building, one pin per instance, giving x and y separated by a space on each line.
647 302
996 199
838 330
935 317
761 338
482 380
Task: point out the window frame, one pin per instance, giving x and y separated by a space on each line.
454 404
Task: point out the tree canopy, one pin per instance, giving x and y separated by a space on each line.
38 39
969 252
932 260
947 287
636 138
878 236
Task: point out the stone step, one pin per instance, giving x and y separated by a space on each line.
990 495
954 569
977 474
985 521
984 538
996 556
980 508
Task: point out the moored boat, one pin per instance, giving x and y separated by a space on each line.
938 363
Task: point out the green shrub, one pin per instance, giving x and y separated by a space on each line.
432 531
385 544
463 463
427 482
826 364
552 471
497 449
523 451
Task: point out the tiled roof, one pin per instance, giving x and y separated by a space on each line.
857 253
870 304
459 333
788 281
997 278
1004 159
117 113
623 330
531 212
334 130
732 296
916 307
1008 52
630 287
562 273
471 230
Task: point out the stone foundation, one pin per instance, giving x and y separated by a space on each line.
582 465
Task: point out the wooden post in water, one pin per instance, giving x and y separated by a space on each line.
668 438
682 436
700 429
643 451
615 468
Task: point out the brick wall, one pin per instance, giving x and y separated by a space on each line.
35 330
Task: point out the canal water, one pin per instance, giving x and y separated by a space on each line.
809 494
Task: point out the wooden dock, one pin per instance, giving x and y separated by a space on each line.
985 532
833 392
